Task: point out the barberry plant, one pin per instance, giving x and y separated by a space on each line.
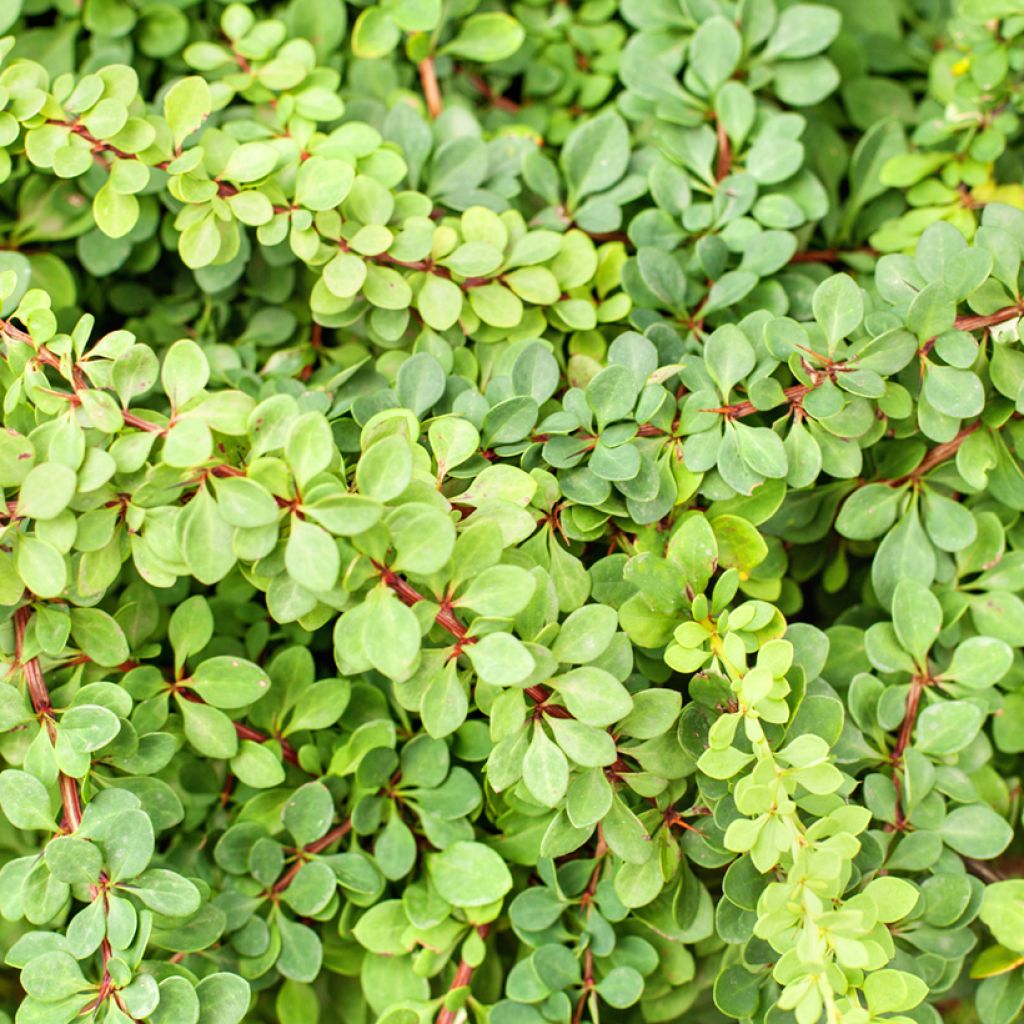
511 512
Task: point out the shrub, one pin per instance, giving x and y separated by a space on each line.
513 514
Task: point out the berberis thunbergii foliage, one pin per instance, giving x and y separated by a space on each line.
512 511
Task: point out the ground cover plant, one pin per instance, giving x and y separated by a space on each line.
512 513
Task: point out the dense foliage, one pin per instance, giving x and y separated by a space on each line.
512 513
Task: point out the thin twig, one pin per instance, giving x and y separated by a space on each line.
935 457
317 846
724 162
906 733
463 976
431 90
40 696
831 255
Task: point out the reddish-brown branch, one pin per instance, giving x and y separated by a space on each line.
737 410
1000 316
317 846
724 162
586 900
935 457
408 595
795 394
139 423
246 732
446 619
906 733
463 976
540 695
831 255
595 876
242 731
499 102
431 90
40 696
225 190
588 985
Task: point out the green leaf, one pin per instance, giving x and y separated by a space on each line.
99 636
309 812
802 30
894 897
301 951
115 213
257 765
585 634
1002 909
381 928
187 104
24 800
374 34
469 874
420 382
385 468
947 727
445 704
621 986
223 999
245 503
502 591
41 567
715 52
956 393
501 659
487 38
593 695
209 730
311 556
250 161
838 307
728 357
976 831
178 1004
322 183
53 976
184 373
869 511
932 311
979 662
166 892
391 636
46 491
439 302
890 991
595 155
916 617
229 682
545 769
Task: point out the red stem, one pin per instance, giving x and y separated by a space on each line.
586 900
499 102
935 457
317 846
409 596
245 732
903 741
40 696
724 162
796 393
463 976
431 90
830 255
